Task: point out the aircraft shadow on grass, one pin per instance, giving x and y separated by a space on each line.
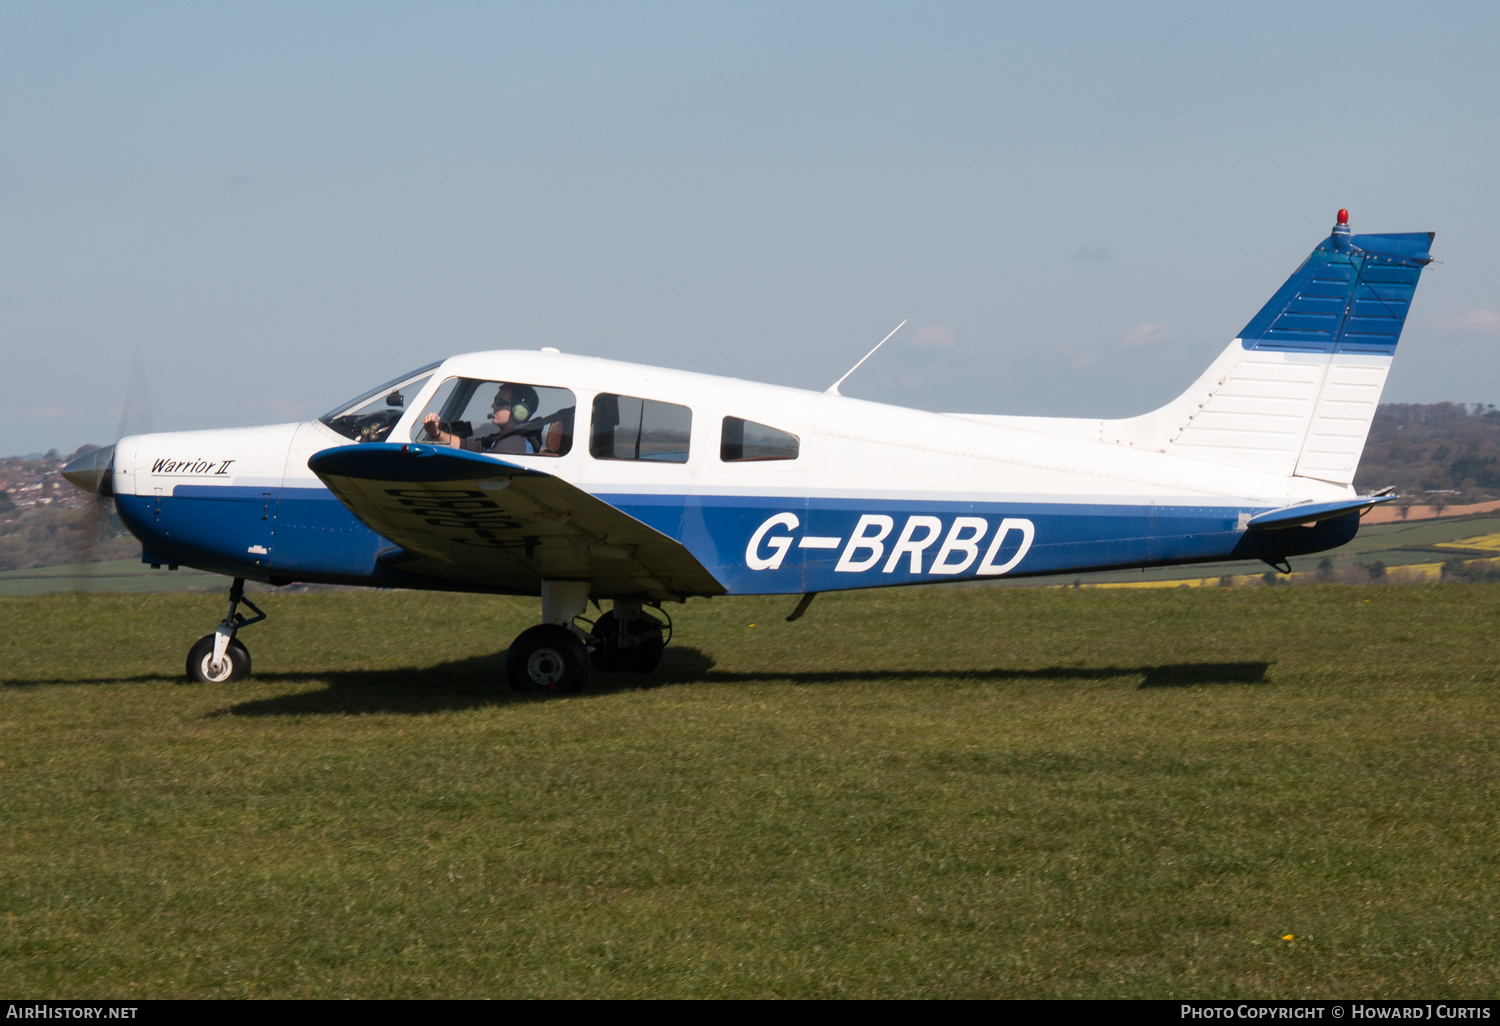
469 683
479 681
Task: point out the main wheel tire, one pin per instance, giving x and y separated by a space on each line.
547 660
646 656
200 668
642 657
606 651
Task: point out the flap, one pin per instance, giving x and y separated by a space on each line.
466 516
1308 512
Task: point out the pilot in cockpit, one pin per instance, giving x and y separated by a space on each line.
512 408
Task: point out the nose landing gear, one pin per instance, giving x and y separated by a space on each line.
220 658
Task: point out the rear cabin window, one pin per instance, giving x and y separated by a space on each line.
628 428
511 418
745 441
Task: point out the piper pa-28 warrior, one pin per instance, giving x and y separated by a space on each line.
578 479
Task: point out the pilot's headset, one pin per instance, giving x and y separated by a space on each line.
525 403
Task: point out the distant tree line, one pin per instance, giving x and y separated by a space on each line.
1434 447
54 537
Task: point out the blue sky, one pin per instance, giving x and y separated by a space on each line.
270 208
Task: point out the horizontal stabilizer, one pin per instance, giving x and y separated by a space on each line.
465 516
1308 512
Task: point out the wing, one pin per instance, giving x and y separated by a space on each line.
464 516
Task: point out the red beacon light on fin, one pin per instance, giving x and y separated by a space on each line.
1344 218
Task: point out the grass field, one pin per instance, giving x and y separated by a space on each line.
959 791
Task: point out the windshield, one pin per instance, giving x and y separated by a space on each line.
371 417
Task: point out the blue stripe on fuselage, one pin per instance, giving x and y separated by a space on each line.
310 536
1064 538
302 534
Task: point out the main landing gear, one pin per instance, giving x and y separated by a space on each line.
220 658
629 638
554 657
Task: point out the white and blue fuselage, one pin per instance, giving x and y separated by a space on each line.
874 494
877 495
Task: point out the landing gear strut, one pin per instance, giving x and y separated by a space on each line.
220 658
551 658
554 657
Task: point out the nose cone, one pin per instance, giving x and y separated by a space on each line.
93 471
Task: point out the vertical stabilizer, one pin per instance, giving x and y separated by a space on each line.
1295 393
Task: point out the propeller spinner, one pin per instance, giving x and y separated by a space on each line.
93 471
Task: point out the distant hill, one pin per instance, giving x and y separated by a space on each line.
54 537
1450 448
45 521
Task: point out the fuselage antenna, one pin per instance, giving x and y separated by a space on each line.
833 389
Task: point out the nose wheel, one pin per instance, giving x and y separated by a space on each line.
220 657
204 668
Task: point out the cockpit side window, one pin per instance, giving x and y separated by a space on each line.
745 441
502 417
627 428
371 417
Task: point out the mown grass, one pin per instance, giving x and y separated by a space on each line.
931 792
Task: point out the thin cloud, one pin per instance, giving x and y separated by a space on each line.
1144 335
1093 253
1076 358
1476 322
934 337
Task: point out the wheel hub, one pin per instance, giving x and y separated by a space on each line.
545 666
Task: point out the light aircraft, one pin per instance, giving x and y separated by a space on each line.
575 478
